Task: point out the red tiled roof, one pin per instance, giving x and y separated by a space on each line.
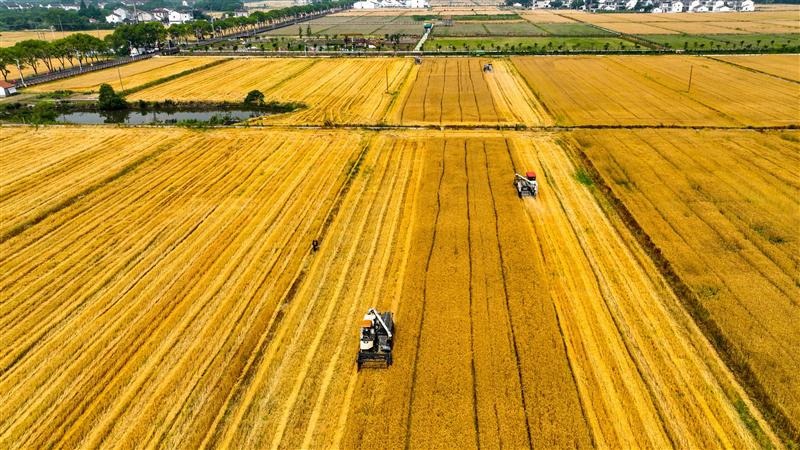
4 84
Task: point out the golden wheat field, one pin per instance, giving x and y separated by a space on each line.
168 297
459 91
159 287
723 208
127 76
351 91
655 91
782 66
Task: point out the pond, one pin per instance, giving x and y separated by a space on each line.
220 117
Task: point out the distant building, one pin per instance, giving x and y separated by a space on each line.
176 17
114 18
144 16
161 14
7 89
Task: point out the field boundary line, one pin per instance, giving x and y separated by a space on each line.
731 356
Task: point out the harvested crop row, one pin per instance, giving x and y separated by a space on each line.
35 179
175 256
300 366
459 91
722 208
613 303
131 75
179 305
470 332
632 350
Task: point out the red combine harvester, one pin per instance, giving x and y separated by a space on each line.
526 185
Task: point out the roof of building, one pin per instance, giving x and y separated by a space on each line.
5 84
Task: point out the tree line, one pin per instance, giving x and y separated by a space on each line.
75 49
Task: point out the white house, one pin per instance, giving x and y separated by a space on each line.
122 12
7 89
676 7
161 14
416 4
541 4
144 16
179 17
114 18
747 6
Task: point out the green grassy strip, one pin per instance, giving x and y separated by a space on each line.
173 76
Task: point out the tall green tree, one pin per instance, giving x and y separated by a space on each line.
7 61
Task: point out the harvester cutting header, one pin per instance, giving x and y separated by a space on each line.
526 185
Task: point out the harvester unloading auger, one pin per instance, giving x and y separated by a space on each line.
377 335
526 185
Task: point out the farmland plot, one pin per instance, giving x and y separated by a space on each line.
35 179
349 91
457 91
724 88
653 91
723 208
209 322
229 81
137 305
540 278
133 75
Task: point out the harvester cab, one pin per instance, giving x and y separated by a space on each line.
377 335
488 67
526 185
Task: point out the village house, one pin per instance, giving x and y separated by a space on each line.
7 89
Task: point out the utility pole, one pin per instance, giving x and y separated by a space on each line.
120 80
691 69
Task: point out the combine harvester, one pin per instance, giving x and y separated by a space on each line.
377 334
526 185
